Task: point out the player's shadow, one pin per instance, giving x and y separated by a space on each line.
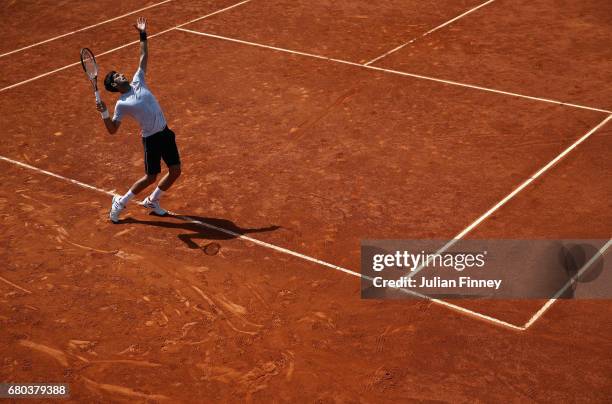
201 228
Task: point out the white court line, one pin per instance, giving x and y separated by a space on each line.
213 13
459 236
569 283
240 41
490 90
416 76
512 194
122 46
429 32
390 71
83 29
286 251
456 308
532 178
61 177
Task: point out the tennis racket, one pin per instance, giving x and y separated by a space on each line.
88 61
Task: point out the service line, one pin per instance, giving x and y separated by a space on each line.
396 72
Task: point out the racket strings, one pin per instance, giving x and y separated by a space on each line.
89 64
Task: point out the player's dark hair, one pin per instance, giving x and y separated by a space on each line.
108 81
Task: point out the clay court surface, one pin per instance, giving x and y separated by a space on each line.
300 136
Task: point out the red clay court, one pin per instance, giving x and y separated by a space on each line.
304 127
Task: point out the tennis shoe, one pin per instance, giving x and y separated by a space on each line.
153 206
116 209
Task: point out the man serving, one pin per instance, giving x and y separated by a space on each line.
137 101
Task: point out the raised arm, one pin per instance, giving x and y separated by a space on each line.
112 126
141 26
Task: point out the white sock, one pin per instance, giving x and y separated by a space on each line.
126 198
155 195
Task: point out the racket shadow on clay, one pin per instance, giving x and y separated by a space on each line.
200 232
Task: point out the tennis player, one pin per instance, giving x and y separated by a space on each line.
137 101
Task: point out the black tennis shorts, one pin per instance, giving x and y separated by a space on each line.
160 145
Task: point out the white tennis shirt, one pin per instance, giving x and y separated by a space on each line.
141 104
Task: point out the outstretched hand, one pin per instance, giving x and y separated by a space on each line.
141 24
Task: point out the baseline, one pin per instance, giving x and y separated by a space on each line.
456 308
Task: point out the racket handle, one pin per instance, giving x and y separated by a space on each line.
97 94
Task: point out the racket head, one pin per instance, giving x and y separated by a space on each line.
88 61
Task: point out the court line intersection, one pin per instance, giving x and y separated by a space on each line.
431 31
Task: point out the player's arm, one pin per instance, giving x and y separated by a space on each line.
112 126
141 26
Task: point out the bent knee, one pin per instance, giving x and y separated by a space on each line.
151 178
175 171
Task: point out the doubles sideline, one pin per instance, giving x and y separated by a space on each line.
568 284
83 29
122 46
